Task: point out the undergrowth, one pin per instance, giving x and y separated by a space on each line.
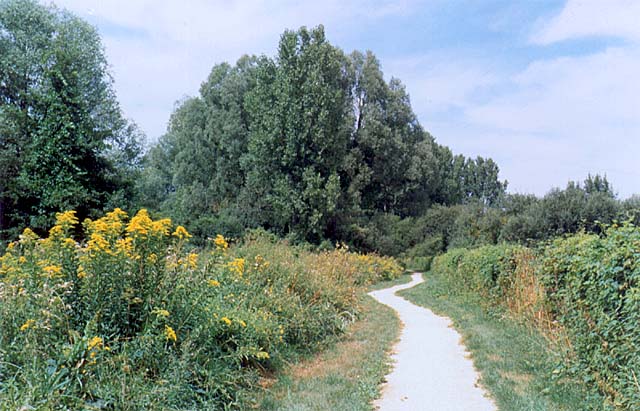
124 314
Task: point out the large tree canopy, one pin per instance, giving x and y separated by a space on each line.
311 143
63 141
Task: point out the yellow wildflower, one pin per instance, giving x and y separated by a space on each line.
237 266
100 226
262 355
95 342
242 323
221 242
67 219
28 236
69 242
22 259
117 214
97 243
226 320
28 324
170 333
152 258
162 226
125 245
140 224
56 231
192 260
81 273
11 245
160 312
181 232
52 270
214 283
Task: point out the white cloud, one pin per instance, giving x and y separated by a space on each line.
583 18
591 96
554 120
438 83
161 50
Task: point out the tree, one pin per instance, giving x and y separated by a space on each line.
298 136
64 143
396 165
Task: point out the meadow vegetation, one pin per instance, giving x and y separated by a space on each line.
132 317
581 292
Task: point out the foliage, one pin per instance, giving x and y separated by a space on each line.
312 144
592 282
585 282
515 360
563 211
108 322
64 141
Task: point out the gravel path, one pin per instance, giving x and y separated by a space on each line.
432 370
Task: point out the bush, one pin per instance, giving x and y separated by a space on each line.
133 318
593 283
587 284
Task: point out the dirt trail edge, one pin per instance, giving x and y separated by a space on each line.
432 370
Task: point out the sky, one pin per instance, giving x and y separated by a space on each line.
547 88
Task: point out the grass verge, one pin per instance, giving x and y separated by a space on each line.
515 361
346 376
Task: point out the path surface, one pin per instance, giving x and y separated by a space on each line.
432 371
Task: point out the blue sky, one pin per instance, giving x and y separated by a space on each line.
547 88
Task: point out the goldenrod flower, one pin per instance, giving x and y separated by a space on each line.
170 334
221 242
140 224
56 231
67 219
52 270
162 227
97 243
160 312
181 233
28 324
237 266
95 342
28 236
192 260
262 355
125 246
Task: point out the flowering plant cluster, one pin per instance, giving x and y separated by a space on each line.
122 312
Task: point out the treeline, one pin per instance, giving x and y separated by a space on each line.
312 144
516 218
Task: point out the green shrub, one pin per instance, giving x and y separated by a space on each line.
588 284
593 283
133 318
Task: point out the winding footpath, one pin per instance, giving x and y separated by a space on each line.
432 370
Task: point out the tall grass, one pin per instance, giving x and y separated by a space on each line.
581 291
128 316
